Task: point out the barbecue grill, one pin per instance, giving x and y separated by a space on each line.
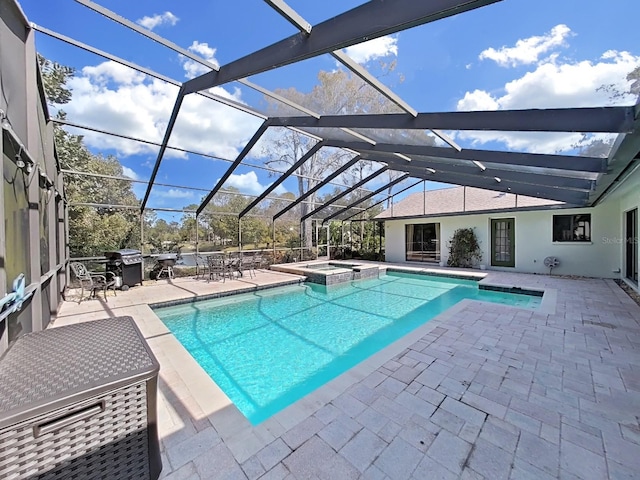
164 265
126 264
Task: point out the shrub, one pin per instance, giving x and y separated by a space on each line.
464 248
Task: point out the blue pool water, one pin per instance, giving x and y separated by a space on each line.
270 348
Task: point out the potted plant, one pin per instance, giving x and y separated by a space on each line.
464 248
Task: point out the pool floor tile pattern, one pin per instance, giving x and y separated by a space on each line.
482 391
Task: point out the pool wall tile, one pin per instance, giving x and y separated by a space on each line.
199 298
351 271
437 273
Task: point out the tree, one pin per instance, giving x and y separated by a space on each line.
634 88
54 79
288 148
634 78
92 230
188 228
337 92
598 147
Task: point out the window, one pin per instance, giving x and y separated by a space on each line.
423 242
572 228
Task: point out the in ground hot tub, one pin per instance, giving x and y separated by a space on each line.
330 273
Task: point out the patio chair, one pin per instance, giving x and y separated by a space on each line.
93 281
202 266
248 264
259 261
264 260
233 264
216 266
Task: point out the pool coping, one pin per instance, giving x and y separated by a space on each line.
549 296
245 439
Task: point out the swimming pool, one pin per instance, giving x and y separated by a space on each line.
267 349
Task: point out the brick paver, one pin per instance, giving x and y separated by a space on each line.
487 391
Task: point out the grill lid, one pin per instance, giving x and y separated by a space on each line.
125 252
132 259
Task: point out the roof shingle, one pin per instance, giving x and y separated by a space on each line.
461 200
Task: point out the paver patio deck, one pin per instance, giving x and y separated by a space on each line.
481 391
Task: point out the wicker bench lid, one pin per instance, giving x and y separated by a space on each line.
78 361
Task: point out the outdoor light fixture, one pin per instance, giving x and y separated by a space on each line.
404 157
479 165
5 120
27 165
430 170
497 179
19 162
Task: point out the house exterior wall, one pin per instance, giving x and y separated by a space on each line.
533 240
628 198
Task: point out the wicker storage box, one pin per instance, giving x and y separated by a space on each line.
79 402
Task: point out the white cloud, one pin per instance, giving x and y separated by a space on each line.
166 18
116 99
194 69
203 49
528 50
107 72
377 48
128 172
477 100
249 184
280 189
535 142
553 84
174 193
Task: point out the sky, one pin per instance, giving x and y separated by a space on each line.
514 54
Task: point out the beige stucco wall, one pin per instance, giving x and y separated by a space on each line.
533 240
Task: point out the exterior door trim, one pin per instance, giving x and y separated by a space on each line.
503 247
631 245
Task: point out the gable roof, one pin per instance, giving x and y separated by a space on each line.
463 200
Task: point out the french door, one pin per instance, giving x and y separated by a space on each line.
503 242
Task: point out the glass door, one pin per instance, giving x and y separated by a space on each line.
423 242
502 242
631 243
